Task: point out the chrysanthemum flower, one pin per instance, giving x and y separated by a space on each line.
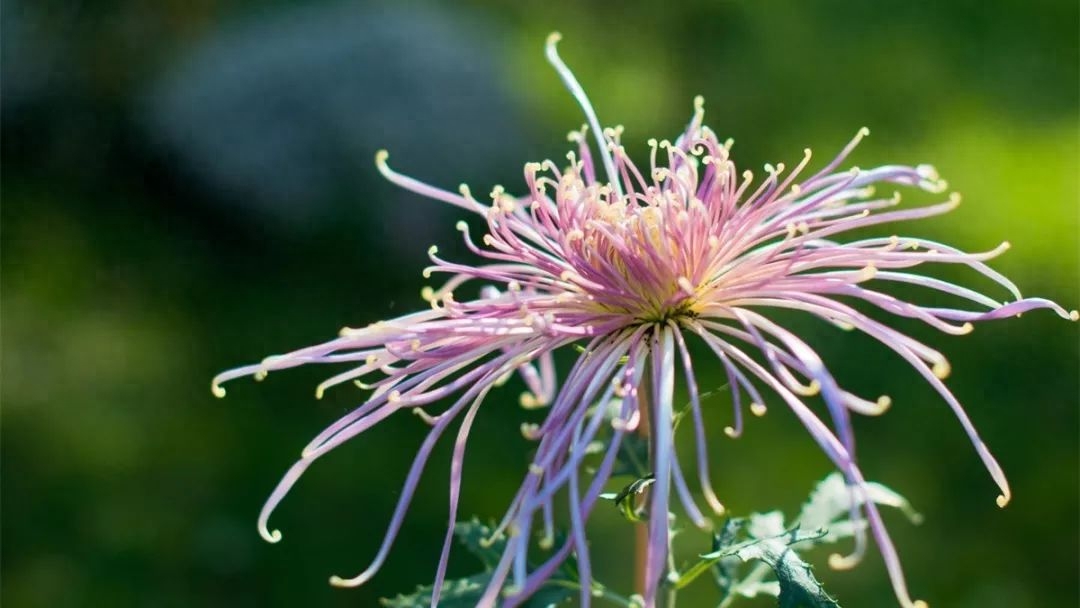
632 265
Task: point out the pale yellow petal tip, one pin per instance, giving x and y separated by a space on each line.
841 562
270 536
547 542
381 156
919 604
731 432
758 409
865 131
553 38
527 400
426 417
884 402
337 581
218 391
1074 315
1002 500
529 430
942 369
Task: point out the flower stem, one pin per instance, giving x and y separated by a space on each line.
641 530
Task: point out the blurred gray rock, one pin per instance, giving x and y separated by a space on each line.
283 112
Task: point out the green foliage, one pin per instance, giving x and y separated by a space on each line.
624 499
763 538
465 592
796 585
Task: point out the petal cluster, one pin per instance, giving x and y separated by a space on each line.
629 263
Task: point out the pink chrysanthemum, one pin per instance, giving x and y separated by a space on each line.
631 265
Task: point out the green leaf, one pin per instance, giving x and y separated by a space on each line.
465 592
764 538
624 499
798 586
725 572
458 593
477 538
832 498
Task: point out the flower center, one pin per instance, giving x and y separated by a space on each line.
645 254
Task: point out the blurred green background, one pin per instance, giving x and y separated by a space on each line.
189 186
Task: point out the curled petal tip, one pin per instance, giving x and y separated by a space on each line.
546 542
356 581
553 39
758 409
381 157
219 392
1002 500
841 562
884 402
731 432
270 536
1074 315
942 369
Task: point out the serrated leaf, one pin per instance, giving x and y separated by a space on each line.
797 585
832 499
766 525
457 593
752 589
465 592
826 510
476 537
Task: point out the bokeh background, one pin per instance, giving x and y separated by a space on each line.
188 186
